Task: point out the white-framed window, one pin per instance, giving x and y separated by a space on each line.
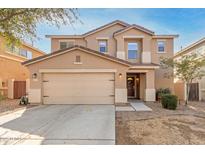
29 55
66 44
161 46
25 53
103 46
19 51
132 48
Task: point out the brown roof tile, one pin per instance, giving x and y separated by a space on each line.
90 50
135 26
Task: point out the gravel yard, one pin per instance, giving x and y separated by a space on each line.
186 125
9 105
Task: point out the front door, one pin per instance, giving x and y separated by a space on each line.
131 87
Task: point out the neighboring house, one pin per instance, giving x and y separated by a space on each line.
12 74
197 90
107 65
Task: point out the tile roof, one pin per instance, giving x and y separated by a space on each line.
137 27
113 22
89 50
181 52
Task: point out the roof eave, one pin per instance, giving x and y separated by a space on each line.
181 52
145 67
166 36
131 27
63 36
56 53
32 47
105 26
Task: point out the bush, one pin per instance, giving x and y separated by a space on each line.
2 97
161 92
169 101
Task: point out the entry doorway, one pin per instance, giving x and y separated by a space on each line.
19 89
133 86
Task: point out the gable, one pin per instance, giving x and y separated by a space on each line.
67 60
198 46
132 32
116 22
75 48
106 32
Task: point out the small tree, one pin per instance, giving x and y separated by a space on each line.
17 24
187 68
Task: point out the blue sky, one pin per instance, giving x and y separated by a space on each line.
188 23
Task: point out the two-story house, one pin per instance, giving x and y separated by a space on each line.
107 65
197 88
13 75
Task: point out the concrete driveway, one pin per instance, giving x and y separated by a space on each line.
59 124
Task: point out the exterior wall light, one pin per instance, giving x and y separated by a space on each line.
34 76
120 75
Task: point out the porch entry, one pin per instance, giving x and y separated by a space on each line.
133 85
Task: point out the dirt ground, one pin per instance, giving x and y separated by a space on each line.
9 105
186 125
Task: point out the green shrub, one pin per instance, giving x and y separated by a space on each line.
161 92
169 101
2 97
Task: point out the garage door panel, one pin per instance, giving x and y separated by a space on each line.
85 88
75 76
79 93
78 100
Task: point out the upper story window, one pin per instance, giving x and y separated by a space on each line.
103 46
132 50
25 53
161 46
66 44
19 51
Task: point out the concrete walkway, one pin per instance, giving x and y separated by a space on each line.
134 105
59 124
140 107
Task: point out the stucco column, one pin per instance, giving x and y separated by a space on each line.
120 87
11 88
150 86
27 85
120 48
146 51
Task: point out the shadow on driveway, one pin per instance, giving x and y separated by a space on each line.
59 124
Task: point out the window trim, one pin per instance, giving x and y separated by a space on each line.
164 41
136 50
103 40
78 62
8 51
66 42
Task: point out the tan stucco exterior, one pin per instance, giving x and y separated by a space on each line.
66 61
117 35
11 67
180 88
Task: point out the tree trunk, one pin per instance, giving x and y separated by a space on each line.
187 93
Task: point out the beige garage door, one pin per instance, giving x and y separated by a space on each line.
78 88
